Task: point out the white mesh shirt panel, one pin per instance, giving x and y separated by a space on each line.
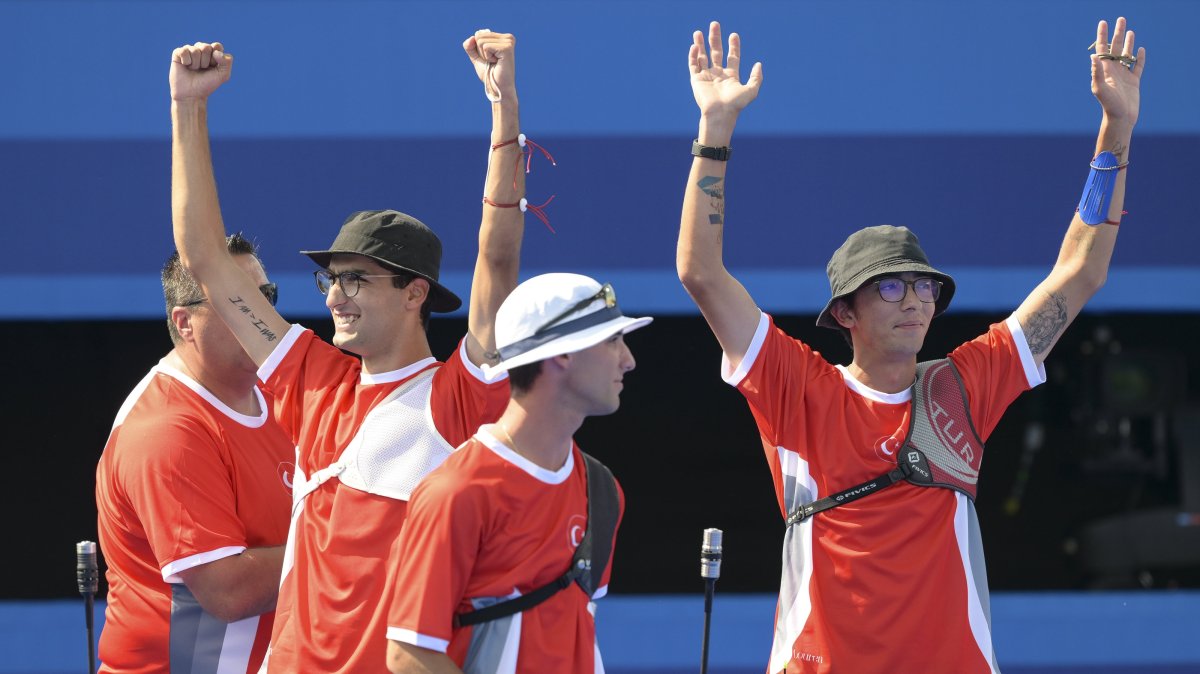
397 445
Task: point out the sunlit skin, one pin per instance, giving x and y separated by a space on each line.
885 334
596 377
211 354
379 323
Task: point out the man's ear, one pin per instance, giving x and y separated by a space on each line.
843 313
416 291
560 362
182 318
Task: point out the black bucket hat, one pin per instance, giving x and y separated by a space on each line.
873 252
397 240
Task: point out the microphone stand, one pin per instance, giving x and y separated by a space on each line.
88 576
710 571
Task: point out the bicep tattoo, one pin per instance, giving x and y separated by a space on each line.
711 185
1045 324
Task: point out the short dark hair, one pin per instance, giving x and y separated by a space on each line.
401 280
522 377
180 287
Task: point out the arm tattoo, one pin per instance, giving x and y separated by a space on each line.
1046 323
1119 151
711 185
254 320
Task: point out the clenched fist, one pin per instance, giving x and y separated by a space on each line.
198 69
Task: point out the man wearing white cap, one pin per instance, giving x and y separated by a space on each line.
508 513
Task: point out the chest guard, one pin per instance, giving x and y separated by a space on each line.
941 448
396 446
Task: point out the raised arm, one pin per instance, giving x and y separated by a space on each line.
197 71
501 227
1083 260
728 308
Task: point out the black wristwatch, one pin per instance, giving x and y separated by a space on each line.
718 153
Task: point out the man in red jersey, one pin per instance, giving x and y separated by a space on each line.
366 429
193 508
504 515
893 581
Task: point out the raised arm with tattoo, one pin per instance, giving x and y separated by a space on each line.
728 308
501 228
1082 265
196 72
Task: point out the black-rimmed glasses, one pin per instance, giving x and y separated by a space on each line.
605 293
269 291
893 288
348 280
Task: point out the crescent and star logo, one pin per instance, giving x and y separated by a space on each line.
287 470
886 448
576 526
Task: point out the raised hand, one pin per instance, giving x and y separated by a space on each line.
494 58
719 90
1116 83
197 70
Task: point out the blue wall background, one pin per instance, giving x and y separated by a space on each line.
1049 633
969 122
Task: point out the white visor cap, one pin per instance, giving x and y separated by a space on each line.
522 333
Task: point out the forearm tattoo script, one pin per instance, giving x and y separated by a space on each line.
254 320
1046 323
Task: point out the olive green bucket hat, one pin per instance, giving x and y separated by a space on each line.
878 251
398 241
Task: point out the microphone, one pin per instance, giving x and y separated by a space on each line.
710 571
87 575
710 555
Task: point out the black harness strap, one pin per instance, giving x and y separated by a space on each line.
807 510
587 569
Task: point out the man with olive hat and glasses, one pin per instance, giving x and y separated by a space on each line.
366 429
509 541
875 463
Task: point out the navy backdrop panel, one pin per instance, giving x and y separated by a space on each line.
980 200
335 107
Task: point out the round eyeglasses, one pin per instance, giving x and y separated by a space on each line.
894 288
348 280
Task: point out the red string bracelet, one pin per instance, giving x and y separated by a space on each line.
538 209
1112 222
527 148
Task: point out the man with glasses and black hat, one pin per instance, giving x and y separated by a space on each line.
875 463
509 541
366 429
193 506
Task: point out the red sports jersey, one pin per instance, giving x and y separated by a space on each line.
330 616
184 480
486 526
893 582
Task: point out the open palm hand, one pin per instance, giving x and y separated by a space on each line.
719 90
